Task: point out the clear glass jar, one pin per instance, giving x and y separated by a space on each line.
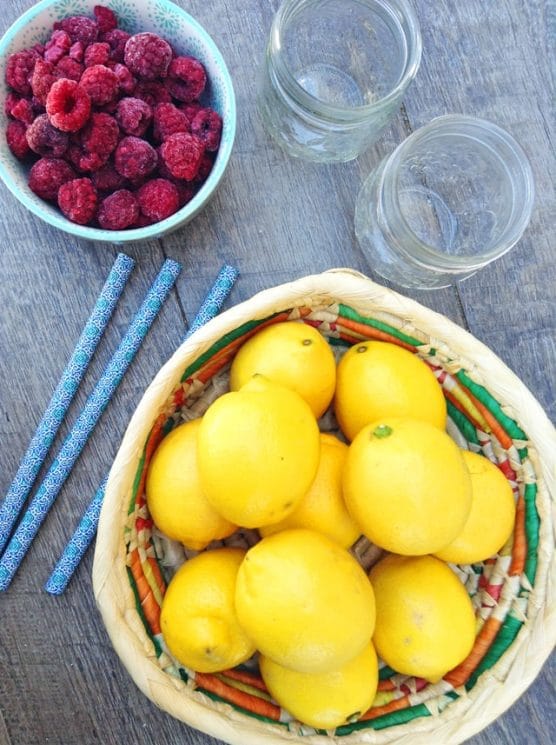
335 72
453 197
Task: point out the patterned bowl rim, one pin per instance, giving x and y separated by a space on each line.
186 213
498 686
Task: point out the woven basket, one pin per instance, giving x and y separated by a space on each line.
490 411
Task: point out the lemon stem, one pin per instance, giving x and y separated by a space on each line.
383 430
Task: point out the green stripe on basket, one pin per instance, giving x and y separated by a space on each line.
222 342
515 432
386 672
386 720
504 639
136 482
462 423
353 315
532 525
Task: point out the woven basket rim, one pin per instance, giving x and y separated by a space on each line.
488 698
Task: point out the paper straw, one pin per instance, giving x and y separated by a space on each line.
85 423
87 528
62 397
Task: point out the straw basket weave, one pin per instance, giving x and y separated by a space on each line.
490 411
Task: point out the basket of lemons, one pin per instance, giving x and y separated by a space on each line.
330 520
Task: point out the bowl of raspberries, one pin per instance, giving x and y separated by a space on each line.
119 118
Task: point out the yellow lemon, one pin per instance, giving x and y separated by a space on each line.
406 485
175 499
325 700
323 508
293 354
198 618
377 379
304 601
425 624
491 520
258 452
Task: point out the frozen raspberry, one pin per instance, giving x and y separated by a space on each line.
106 19
45 139
168 120
135 158
23 111
207 125
47 175
190 110
97 54
84 161
38 49
142 221
68 105
79 28
100 134
118 211
42 79
126 81
10 101
19 69
78 200
147 55
69 68
108 179
152 93
186 191
117 39
77 51
134 116
158 199
182 153
186 78
101 83
17 140
205 168
57 47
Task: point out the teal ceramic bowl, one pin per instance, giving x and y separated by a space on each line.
187 36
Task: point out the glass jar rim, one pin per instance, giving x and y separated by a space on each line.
412 32
426 255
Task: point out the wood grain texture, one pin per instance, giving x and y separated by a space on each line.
276 219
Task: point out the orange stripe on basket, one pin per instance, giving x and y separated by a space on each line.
519 549
153 441
460 674
248 678
504 439
157 574
373 333
378 711
386 685
245 700
151 609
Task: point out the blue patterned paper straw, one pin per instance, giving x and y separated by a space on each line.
63 395
85 532
85 423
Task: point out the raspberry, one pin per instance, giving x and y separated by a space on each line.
152 93
100 134
168 120
42 79
191 110
142 221
158 199
97 54
105 18
207 125
135 158
47 175
23 111
78 200
19 69
68 105
186 191
69 68
148 55
186 78
11 100
77 51
57 47
205 168
79 28
101 83
45 139
117 39
118 211
134 116
126 81
107 178
182 154
17 140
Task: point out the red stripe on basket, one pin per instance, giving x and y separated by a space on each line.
239 698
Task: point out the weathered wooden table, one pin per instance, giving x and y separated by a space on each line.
276 219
